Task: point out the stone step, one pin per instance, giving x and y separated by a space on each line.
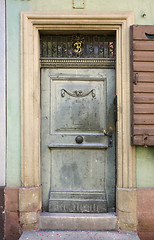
78 221
79 235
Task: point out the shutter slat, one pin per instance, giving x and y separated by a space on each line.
144 140
140 30
143 129
145 76
143 66
143 108
145 56
143 98
144 87
143 45
144 119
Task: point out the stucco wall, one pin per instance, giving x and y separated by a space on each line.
145 167
2 94
139 7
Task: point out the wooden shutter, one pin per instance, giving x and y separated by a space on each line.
142 84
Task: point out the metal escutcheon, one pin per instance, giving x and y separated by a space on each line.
79 139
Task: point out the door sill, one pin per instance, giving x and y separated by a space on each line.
78 221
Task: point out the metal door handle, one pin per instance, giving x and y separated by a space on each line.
79 139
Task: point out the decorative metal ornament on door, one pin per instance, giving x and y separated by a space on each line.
78 93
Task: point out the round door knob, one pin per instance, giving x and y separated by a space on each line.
79 139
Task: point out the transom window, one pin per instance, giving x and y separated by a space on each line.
77 46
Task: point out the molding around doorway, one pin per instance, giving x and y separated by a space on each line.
77 63
31 24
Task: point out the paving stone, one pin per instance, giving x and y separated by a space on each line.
12 227
127 222
127 204
28 217
2 212
29 199
11 199
145 199
146 222
146 235
30 227
79 235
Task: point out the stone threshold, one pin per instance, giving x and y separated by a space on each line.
76 235
78 221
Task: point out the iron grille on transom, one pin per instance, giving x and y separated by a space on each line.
77 46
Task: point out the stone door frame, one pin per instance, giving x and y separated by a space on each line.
31 24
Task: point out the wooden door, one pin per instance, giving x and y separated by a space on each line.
77 140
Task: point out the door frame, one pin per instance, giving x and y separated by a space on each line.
31 24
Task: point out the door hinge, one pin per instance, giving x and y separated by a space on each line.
115 108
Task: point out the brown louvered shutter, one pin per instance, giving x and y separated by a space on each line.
142 84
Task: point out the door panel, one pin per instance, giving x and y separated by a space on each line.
77 169
80 109
77 177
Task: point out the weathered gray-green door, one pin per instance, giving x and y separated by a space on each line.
78 159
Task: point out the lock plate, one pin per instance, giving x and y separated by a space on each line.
110 139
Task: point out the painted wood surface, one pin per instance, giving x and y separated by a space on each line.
142 80
78 177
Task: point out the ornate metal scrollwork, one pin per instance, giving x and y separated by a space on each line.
77 93
77 46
